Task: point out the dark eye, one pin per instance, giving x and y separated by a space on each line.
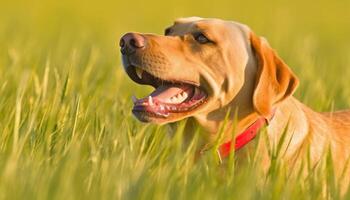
201 38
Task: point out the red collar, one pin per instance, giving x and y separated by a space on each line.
244 138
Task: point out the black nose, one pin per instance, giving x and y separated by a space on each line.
130 42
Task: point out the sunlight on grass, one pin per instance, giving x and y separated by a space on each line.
65 112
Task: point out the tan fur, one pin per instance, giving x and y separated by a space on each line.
242 73
275 81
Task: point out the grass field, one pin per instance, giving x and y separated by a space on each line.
66 129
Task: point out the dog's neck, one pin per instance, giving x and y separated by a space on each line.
283 118
237 123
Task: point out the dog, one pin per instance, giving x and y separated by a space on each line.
203 68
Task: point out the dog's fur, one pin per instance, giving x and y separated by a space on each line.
241 72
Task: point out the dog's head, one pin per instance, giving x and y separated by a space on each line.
202 65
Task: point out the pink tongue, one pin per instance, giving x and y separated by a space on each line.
166 91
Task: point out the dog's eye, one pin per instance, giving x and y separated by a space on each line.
201 38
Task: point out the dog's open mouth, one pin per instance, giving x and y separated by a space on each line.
167 98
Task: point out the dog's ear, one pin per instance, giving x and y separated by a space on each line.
274 80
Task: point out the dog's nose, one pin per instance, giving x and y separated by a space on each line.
130 42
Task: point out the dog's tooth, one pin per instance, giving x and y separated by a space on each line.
161 107
172 99
150 101
139 72
134 99
184 95
168 107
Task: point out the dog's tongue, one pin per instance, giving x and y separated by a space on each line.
165 92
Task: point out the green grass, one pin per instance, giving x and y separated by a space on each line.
66 129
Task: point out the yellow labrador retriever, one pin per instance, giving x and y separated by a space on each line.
202 68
